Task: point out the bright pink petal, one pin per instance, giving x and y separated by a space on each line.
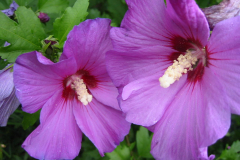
190 19
37 79
103 125
224 59
88 42
58 136
124 67
144 101
197 117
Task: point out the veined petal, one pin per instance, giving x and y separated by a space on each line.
144 101
124 67
88 42
196 118
179 25
224 43
190 19
37 79
58 136
6 83
106 93
103 125
7 107
144 24
224 59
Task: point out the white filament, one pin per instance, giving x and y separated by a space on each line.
81 89
174 72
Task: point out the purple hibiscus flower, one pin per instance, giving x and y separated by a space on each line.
76 95
10 12
173 79
8 99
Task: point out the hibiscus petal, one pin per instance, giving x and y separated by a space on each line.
33 73
179 22
144 101
124 67
7 107
103 125
88 42
190 19
106 93
196 118
58 136
6 83
224 59
139 29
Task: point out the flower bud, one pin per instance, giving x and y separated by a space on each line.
43 17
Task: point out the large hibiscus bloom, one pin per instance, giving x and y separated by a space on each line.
173 79
76 95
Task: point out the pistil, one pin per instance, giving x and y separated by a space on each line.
81 89
180 66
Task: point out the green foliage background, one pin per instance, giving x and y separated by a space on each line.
25 34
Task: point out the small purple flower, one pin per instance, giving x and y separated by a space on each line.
76 95
6 44
10 12
8 100
174 78
43 17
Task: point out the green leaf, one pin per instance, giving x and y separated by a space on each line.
93 13
232 153
3 5
3 64
29 119
143 140
122 152
71 17
24 36
23 2
118 9
52 6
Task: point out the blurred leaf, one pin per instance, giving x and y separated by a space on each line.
232 153
24 36
29 119
93 13
89 151
143 140
3 64
23 2
117 8
71 17
71 2
122 152
3 5
52 6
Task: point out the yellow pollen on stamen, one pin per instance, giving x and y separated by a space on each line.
81 89
180 66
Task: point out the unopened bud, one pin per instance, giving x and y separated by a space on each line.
43 17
